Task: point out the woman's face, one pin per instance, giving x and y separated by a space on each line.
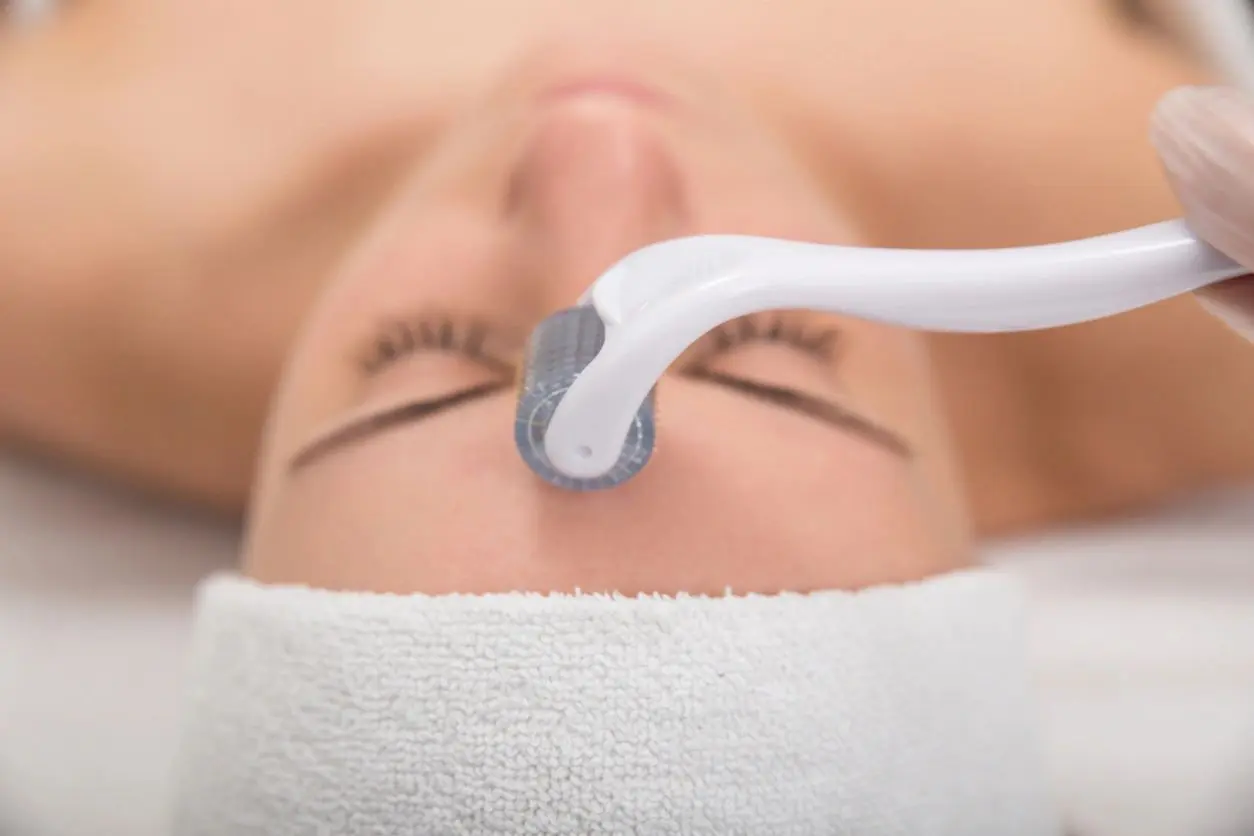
985 124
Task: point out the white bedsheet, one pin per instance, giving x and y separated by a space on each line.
1144 633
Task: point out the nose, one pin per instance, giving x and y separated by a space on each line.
594 182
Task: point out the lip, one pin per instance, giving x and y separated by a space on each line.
620 87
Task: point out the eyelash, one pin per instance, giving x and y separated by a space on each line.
775 328
400 339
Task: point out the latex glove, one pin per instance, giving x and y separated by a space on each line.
1205 138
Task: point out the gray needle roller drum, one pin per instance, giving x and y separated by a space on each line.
559 349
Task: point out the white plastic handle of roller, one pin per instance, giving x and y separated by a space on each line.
661 299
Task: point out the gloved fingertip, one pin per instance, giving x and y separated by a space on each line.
1203 132
1205 139
1232 302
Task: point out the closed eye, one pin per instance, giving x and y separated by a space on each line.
469 338
819 344
781 328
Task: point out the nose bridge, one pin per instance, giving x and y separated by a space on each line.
594 183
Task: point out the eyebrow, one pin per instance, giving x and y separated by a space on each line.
406 413
808 405
780 396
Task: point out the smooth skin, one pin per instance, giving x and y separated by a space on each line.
572 162
182 181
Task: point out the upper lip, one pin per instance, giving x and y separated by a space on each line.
605 84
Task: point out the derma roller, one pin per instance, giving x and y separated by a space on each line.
585 407
585 417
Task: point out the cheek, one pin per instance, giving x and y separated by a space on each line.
1052 145
735 496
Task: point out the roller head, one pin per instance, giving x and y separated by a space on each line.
561 347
